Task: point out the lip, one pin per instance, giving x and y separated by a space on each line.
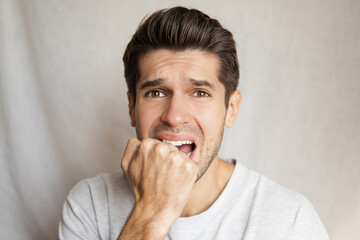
178 137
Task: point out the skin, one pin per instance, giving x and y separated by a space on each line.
179 97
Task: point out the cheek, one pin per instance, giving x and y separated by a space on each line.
210 118
145 118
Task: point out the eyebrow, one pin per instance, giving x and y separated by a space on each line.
151 83
201 83
159 81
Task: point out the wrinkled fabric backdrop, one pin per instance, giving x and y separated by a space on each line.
64 116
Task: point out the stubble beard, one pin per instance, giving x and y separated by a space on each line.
209 153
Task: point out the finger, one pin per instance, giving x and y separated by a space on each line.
171 146
130 150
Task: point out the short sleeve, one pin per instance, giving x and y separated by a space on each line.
78 219
307 225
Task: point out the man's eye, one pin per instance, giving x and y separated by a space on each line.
155 94
201 94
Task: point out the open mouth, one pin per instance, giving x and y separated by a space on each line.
184 146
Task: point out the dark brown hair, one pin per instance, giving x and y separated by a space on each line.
180 29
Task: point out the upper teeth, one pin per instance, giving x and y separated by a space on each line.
177 143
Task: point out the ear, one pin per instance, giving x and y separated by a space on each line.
131 108
233 108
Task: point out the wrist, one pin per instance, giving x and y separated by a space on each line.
154 221
145 222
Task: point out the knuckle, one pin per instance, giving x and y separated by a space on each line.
123 168
178 159
133 143
145 144
122 165
147 141
133 140
162 148
175 157
189 166
142 148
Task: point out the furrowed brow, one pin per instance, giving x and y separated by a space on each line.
201 83
151 83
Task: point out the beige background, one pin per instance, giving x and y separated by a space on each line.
63 108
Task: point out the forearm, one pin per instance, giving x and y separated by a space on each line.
145 224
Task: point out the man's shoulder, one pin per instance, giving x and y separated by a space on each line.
94 204
271 204
269 190
275 191
100 186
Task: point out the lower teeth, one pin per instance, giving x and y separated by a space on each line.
189 153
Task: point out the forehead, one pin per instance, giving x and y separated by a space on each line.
168 64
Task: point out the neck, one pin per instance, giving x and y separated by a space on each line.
209 187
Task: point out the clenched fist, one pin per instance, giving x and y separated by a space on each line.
162 178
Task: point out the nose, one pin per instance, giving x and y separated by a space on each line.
176 112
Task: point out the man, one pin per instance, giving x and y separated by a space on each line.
182 72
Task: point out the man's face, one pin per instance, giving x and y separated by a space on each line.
180 100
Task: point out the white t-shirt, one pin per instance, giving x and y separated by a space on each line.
251 207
